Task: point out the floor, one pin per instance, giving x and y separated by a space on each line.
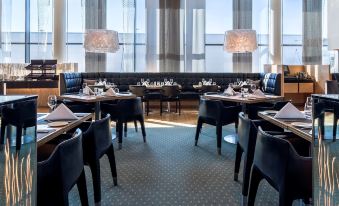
170 170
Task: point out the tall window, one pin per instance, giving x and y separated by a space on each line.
292 32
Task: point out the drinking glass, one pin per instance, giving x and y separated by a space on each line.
138 83
242 92
165 80
84 85
230 85
81 92
171 80
210 81
214 83
308 106
142 80
116 90
96 91
52 101
253 87
148 80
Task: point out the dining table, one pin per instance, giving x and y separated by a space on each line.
300 127
47 133
96 99
243 101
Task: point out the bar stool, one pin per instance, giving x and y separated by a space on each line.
22 116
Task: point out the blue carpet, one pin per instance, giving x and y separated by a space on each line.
170 170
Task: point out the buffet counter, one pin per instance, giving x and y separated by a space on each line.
42 88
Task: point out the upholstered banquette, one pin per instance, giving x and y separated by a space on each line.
72 82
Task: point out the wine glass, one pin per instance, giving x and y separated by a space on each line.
84 85
308 106
171 80
253 87
52 102
230 85
165 80
142 80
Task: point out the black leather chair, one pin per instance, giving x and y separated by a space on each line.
97 141
22 116
276 160
213 112
332 87
57 175
140 91
124 111
209 88
170 93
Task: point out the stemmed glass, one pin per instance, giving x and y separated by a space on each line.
142 81
253 87
171 80
308 107
52 102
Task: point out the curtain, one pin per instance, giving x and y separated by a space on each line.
6 24
242 19
165 36
312 32
128 36
44 19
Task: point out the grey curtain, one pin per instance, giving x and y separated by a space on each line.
165 35
95 18
242 19
312 32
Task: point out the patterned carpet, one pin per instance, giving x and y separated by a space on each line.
170 170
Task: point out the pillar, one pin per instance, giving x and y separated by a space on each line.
275 34
59 30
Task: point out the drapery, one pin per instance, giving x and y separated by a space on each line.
128 36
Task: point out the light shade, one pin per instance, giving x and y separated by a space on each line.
101 41
240 41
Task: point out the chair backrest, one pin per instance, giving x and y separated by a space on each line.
64 165
244 127
170 90
130 107
332 87
70 82
209 88
211 109
138 91
271 157
97 138
271 83
22 113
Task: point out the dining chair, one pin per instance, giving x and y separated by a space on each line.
170 93
57 175
141 91
276 161
209 88
22 116
213 112
126 110
97 142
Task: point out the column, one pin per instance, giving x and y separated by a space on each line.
312 32
242 19
95 18
275 32
59 30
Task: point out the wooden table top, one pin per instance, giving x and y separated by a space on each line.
245 100
53 132
287 124
93 98
159 87
197 86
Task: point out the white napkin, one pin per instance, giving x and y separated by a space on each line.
168 83
258 93
229 91
243 83
145 84
100 84
61 113
111 92
289 111
88 91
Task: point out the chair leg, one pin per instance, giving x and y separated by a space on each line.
254 184
219 137
199 126
179 107
18 137
246 174
119 133
335 121
95 170
136 126
111 158
176 106
82 188
142 124
125 129
3 129
147 104
160 108
238 155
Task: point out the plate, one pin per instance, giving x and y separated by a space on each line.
57 124
302 124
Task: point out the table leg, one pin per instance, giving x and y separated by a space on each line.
97 111
233 138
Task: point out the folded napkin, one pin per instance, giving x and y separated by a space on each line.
88 91
145 84
258 93
61 113
243 83
229 91
289 111
168 83
100 84
111 92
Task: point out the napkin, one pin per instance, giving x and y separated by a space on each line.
289 111
145 84
243 83
110 92
88 91
168 83
229 91
100 84
61 113
258 93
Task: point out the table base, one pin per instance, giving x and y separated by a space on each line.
232 138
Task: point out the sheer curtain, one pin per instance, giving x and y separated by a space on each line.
128 36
